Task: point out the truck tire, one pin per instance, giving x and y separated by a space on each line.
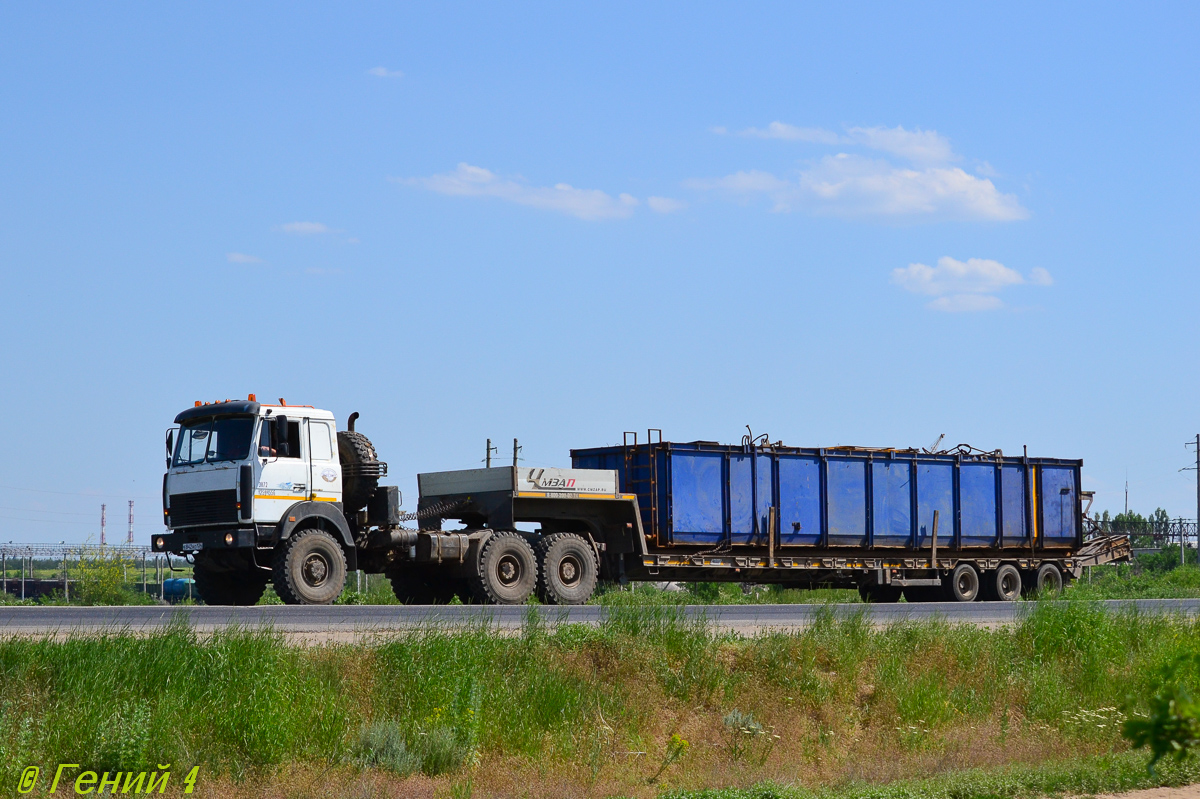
416 586
879 594
354 451
963 584
1002 585
310 568
229 588
567 569
506 570
1048 581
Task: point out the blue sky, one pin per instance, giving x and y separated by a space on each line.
855 224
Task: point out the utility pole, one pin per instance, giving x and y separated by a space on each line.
490 450
516 449
103 540
129 538
1195 469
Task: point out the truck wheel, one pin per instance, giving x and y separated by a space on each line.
1048 581
506 571
310 568
415 586
879 594
354 451
229 588
1004 584
567 570
963 585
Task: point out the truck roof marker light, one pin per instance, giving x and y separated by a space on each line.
251 398
197 403
282 403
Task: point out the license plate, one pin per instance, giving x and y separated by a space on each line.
192 547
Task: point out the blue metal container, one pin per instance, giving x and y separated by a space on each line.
711 495
177 589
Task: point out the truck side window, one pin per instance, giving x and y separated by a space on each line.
318 433
268 447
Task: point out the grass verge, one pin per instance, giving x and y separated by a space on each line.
595 711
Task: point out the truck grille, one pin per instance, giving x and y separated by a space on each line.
203 507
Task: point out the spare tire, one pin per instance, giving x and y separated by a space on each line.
361 469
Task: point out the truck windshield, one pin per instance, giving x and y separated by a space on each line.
212 440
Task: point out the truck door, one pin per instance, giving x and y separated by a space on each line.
325 479
284 478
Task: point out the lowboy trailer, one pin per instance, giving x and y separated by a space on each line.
255 493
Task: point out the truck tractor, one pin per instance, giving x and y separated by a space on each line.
257 493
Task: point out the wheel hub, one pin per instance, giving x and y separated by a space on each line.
315 569
569 571
508 570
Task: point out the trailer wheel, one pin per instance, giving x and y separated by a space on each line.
354 451
310 568
567 569
1004 584
416 586
963 585
1048 581
879 594
506 571
229 588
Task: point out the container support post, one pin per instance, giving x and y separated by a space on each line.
772 519
933 550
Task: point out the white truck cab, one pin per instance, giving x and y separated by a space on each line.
243 476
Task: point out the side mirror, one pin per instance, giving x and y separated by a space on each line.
170 445
281 436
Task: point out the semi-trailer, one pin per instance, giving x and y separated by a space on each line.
256 493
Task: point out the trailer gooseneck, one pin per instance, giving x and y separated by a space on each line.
255 493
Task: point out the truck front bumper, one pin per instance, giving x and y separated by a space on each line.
187 542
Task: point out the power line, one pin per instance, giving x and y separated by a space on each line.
80 493
48 521
37 510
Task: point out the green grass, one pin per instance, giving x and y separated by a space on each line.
597 706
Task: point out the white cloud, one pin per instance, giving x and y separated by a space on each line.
951 276
305 228
1040 277
854 186
242 258
918 146
665 205
474 181
969 285
384 72
782 130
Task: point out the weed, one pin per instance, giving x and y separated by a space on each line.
382 745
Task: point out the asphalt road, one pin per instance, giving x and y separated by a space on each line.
342 621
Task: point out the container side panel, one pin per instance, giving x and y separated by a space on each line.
847 502
977 504
765 496
935 491
892 503
741 500
799 500
1012 491
1058 506
697 509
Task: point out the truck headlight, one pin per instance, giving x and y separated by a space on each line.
229 539
159 542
